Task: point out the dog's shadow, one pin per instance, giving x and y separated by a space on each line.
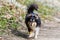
19 33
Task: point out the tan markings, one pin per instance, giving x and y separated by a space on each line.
30 32
32 25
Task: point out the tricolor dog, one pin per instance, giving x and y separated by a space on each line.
32 21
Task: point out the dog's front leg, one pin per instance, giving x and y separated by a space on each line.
36 32
31 34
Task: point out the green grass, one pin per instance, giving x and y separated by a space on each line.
45 10
25 2
4 22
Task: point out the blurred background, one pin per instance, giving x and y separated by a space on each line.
12 15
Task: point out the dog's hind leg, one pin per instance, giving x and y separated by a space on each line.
36 32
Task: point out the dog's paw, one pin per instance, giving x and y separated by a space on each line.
31 35
35 37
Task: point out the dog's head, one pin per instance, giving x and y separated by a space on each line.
32 18
32 21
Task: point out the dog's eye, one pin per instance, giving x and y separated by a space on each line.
32 20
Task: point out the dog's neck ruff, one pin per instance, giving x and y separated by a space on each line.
31 14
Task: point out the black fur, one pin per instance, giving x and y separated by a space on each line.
30 16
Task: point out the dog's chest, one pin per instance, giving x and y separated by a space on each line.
32 25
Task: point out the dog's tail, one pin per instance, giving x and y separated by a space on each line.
31 8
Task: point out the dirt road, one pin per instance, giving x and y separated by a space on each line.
48 31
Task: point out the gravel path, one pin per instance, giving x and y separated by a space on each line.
48 31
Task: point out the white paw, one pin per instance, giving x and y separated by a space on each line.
35 37
31 35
